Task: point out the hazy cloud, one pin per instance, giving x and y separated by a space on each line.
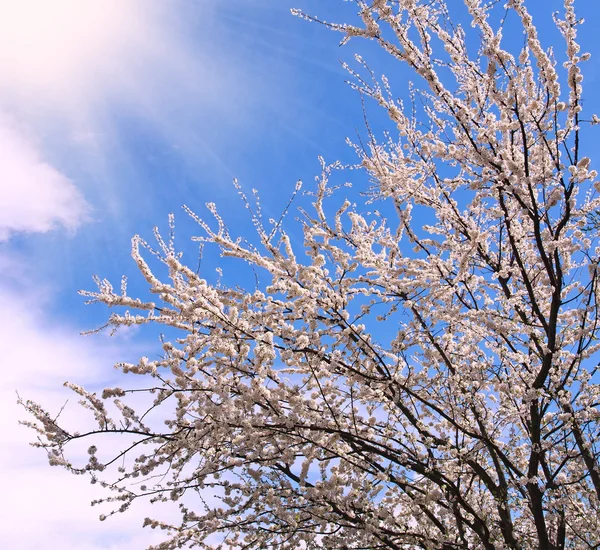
34 196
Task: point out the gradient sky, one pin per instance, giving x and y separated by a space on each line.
114 113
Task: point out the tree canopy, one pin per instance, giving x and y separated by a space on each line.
421 370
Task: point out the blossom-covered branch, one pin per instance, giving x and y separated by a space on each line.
420 375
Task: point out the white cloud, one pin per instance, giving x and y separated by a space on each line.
34 196
47 508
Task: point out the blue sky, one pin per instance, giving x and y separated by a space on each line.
114 113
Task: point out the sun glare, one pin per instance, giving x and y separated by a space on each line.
51 45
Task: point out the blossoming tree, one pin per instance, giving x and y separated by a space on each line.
422 375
